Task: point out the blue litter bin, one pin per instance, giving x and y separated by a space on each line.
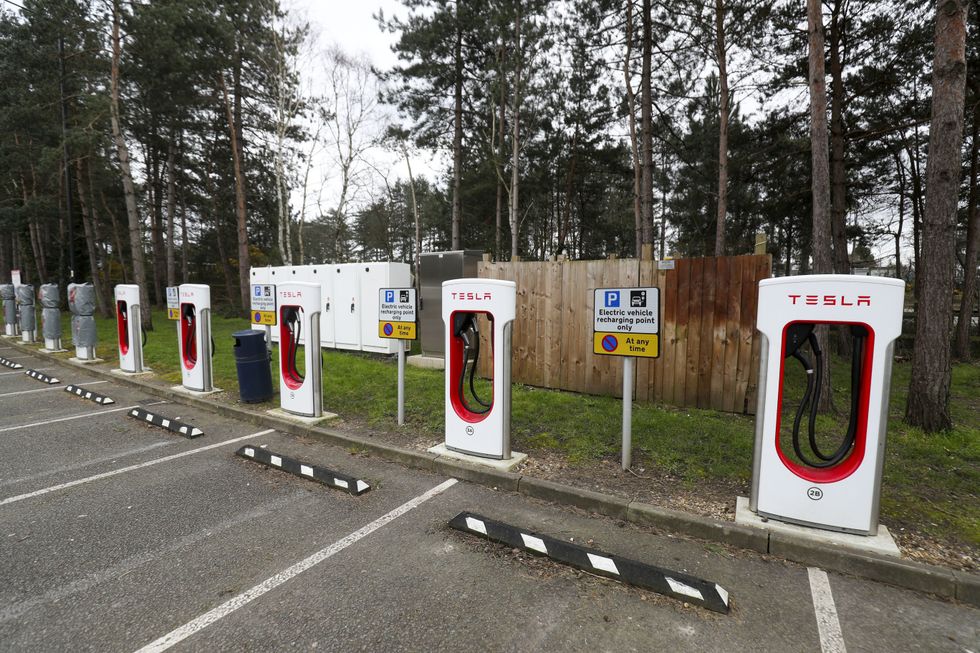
252 361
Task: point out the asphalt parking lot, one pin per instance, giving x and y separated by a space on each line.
120 536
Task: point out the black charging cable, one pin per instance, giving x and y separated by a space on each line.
466 329
802 333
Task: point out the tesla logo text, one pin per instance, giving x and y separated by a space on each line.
472 296
830 300
290 294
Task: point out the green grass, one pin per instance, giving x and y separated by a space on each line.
930 481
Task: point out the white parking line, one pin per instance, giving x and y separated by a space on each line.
828 626
24 392
82 416
123 470
21 372
246 597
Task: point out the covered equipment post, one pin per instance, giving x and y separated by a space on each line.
8 294
51 316
194 337
476 425
81 303
28 319
300 390
129 328
805 474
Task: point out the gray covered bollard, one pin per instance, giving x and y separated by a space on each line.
50 299
28 320
81 303
9 297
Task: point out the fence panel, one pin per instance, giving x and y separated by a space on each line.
709 346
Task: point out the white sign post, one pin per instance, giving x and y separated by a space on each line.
626 323
397 319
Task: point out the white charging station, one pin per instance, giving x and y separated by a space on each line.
793 478
476 425
194 337
300 390
129 328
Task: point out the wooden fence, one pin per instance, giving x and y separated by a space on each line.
709 346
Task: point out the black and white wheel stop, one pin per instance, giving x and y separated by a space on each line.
173 425
88 394
42 377
354 486
676 585
11 364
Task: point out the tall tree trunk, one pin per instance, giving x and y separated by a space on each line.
915 174
88 224
457 206
515 119
838 195
902 185
184 243
171 211
499 163
156 227
244 263
928 402
722 56
129 191
961 347
634 141
820 239
418 225
646 119
116 238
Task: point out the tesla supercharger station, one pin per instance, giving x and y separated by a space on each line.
11 328
300 391
129 328
815 480
194 337
475 425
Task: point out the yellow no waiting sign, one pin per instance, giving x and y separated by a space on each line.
642 345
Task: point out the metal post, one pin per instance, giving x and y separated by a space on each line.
268 338
401 382
628 365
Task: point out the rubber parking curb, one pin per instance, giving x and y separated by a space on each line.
914 575
353 486
173 425
42 377
683 587
88 394
11 364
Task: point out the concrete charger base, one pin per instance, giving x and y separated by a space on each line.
195 393
883 543
86 361
119 372
300 419
427 362
52 351
508 465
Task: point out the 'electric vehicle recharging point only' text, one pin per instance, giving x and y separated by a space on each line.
797 477
474 425
129 328
300 391
194 337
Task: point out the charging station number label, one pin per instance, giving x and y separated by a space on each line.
173 303
397 314
264 304
627 322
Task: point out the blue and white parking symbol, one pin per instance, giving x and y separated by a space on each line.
389 296
612 299
258 291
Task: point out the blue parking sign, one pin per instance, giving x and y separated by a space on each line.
612 299
389 296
